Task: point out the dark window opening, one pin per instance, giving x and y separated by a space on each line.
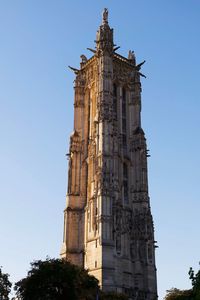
125 191
125 182
124 126
124 144
114 90
125 171
124 94
124 110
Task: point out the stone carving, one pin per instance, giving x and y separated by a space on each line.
92 149
138 224
137 140
131 57
75 143
127 223
79 83
142 225
105 109
122 75
76 71
105 16
116 185
83 59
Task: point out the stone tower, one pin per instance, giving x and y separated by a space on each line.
108 226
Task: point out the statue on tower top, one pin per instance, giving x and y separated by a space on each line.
105 16
131 56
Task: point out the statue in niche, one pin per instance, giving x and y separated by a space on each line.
126 222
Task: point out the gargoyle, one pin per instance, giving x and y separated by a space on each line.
138 67
76 71
92 50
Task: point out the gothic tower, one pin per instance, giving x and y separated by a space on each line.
108 226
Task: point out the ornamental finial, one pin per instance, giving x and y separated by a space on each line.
105 16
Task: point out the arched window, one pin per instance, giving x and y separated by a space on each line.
125 182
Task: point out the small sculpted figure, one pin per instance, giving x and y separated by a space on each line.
105 16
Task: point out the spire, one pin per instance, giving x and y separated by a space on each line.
104 38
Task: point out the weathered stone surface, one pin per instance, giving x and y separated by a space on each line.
108 226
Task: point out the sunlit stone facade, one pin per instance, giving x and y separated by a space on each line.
108 226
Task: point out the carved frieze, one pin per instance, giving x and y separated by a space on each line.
142 225
137 140
138 224
122 73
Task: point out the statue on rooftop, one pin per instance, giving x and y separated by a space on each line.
105 16
131 56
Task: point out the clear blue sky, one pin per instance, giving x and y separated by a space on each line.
39 39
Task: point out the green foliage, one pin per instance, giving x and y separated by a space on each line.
176 294
56 279
195 278
192 294
5 285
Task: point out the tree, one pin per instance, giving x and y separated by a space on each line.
176 294
192 294
195 278
56 279
5 285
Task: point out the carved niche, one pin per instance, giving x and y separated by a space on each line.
75 142
105 106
